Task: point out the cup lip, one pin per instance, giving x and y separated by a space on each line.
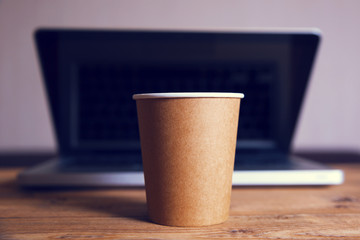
188 95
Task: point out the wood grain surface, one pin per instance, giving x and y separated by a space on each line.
256 213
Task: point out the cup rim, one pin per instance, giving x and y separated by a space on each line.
188 95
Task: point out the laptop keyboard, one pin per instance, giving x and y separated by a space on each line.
132 162
262 162
107 163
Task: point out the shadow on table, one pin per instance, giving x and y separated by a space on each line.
109 202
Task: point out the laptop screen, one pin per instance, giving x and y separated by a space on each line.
91 76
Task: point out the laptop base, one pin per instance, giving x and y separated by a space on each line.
297 172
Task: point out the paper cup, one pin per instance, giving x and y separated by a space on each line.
188 145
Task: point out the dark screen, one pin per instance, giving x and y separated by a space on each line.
97 72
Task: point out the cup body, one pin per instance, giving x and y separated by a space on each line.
188 146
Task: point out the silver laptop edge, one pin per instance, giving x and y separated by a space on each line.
48 174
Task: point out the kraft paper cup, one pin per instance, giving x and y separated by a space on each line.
188 148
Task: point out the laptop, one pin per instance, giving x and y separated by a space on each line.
90 76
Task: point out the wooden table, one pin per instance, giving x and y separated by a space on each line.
256 213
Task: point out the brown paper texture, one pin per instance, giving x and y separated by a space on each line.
188 150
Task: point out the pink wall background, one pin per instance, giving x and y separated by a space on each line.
331 113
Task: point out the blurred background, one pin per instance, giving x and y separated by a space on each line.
330 114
